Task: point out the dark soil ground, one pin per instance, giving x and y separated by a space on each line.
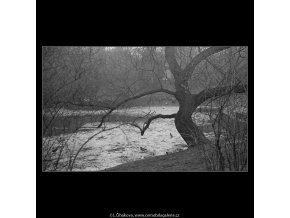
188 160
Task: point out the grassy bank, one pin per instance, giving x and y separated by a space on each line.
182 161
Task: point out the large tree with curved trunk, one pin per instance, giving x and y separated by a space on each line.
188 102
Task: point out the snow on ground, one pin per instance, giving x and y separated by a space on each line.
125 143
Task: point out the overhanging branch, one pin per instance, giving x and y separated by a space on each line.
219 92
147 123
133 98
201 56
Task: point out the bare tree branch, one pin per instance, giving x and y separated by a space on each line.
133 98
219 92
171 60
147 123
180 80
201 56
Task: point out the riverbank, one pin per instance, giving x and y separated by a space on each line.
183 161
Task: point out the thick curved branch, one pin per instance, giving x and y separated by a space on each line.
147 123
201 56
219 92
171 60
133 98
179 75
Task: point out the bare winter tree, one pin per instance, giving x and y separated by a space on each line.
183 69
106 80
189 102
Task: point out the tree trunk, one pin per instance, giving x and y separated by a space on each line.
184 124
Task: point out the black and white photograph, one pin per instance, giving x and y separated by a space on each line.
134 109
145 109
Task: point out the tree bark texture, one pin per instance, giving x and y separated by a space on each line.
184 124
